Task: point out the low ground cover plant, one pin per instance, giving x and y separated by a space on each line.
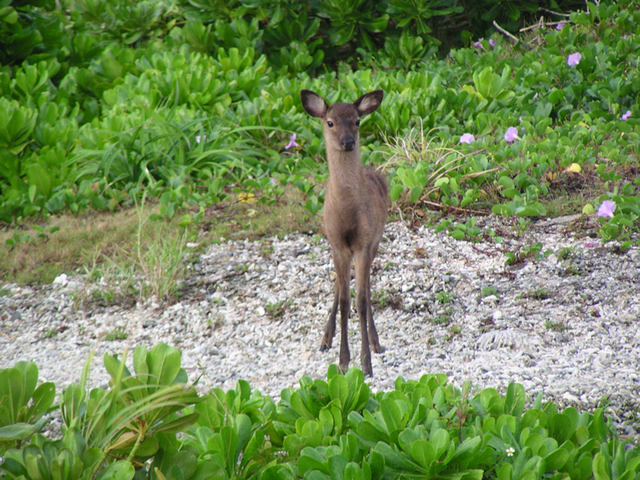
150 423
194 114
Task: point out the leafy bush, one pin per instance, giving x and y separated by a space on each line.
325 429
22 405
163 101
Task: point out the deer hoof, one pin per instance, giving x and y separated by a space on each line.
377 348
324 347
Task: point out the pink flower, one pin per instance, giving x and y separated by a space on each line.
606 209
573 59
466 138
535 96
292 142
511 134
590 244
478 44
560 25
491 42
626 116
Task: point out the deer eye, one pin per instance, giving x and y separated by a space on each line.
329 123
357 123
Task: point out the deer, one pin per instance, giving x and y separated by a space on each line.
355 213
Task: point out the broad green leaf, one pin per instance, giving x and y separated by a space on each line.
140 365
339 390
8 15
514 400
164 363
337 466
326 420
179 425
467 450
395 459
424 453
395 192
298 405
29 372
16 431
407 438
440 439
505 472
12 395
353 472
391 414
556 460
600 468
243 429
311 459
120 470
560 427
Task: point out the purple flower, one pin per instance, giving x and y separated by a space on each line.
626 116
491 42
560 25
511 134
590 244
292 142
466 138
535 96
573 59
606 209
478 44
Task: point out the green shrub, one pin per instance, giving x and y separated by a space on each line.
98 121
333 428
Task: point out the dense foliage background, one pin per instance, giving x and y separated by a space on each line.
193 101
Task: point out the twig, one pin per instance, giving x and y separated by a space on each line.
400 214
491 254
554 13
5 334
503 31
457 209
541 25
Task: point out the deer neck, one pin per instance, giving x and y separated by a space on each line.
345 171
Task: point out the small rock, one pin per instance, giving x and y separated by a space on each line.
61 279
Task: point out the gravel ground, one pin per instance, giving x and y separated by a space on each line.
564 324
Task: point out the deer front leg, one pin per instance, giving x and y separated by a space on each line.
342 301
363 305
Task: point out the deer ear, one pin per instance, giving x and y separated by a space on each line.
369 102
313 103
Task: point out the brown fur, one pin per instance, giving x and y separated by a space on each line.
355 212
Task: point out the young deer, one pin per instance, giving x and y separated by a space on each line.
355 211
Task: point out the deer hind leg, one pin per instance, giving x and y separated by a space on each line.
363 305
342 301
330 328
374 341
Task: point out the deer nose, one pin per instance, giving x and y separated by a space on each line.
348 144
